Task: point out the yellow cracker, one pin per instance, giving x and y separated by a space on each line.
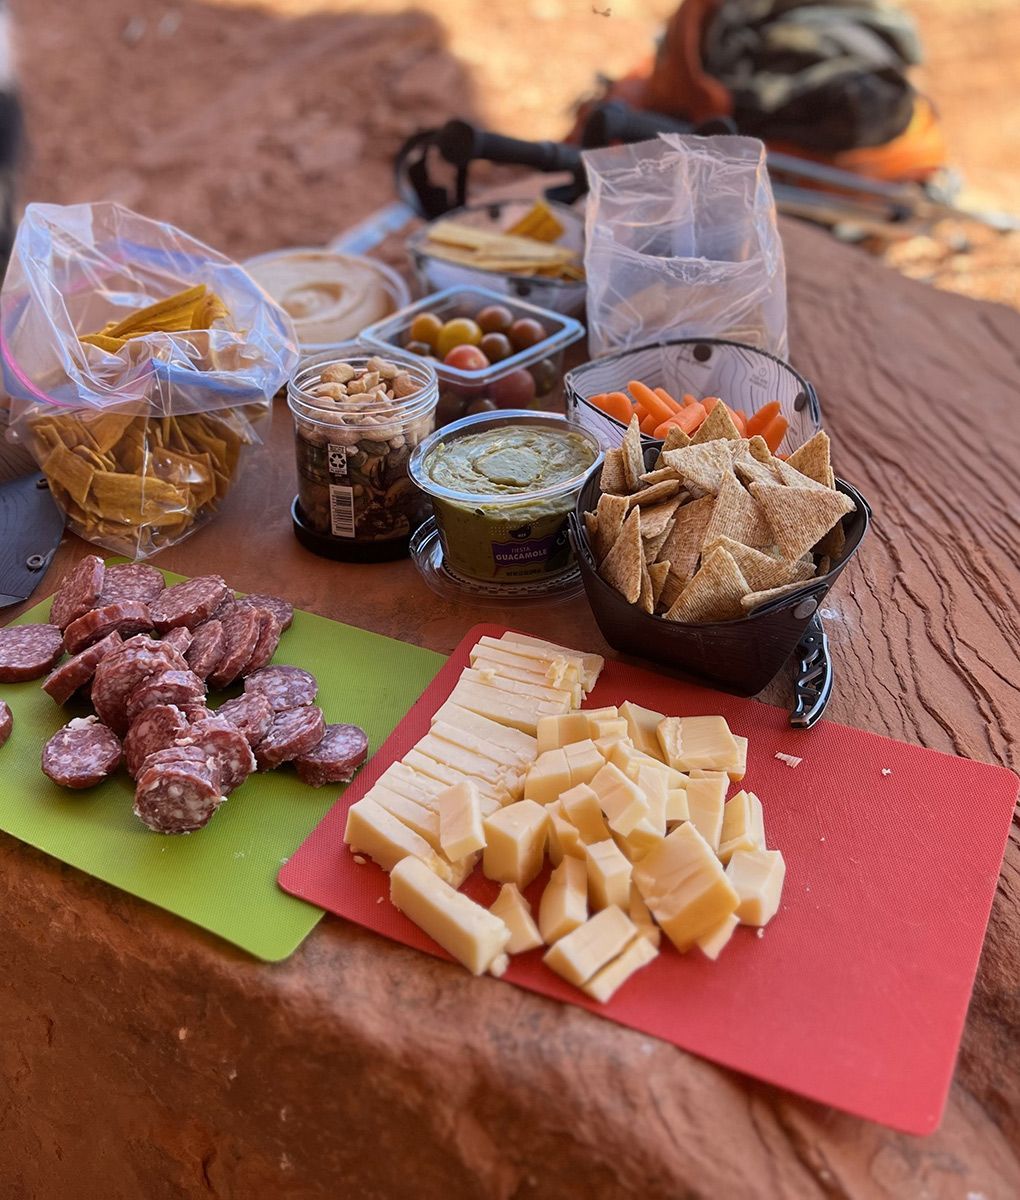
738 515
717 425
106 429
714 594
800 517
812 459
622 566
761 571
133 499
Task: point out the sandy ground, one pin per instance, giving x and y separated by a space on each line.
255 126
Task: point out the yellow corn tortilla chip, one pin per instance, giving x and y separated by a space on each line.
717 425
714 594
800 517
657 519
702 467
69 471
650 496
633 460
657 572
737 515
621 568
613 480
683 546
812 459
132 499
106 429
761 571
755 600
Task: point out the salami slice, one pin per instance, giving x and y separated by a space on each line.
338 755
79 591
267 641
176 797
251 713
28 651
132 581
180 688
6 722
121 672
180 637
155 729
122 616
184 754
65 680
81 754
276 604
207 647
226 745
189 603
225 605
241 630
292 734
286 687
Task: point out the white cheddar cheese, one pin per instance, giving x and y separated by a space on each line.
740 770
556 674
585 761
743 826
630 760
641 839
591 664
515 839
653 783
676 805
607 746
621 799
609 727
579 954
521 746
515 912
606 981
519 712
399 777
684 885
608 875
642 724
715 941
415 816
556 732
472 934
502 776
548 777
564 903
557 664
460 821
510 762
706 800
514 687
373 831
564 837
638 912
580 806
691 742
757 876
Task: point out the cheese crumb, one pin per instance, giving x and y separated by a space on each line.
886 770
359 859
760 933
791 760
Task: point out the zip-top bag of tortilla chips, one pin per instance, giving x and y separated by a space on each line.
140 364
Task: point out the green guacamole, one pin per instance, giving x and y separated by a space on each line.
515 460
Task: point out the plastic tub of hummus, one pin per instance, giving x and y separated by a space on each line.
502 486
330 297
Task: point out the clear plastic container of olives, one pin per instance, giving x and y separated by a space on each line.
358 416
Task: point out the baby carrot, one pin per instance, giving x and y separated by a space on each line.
757 421
647 399
775 431
688 400
616 405
709 402
690 418
666 398
649 424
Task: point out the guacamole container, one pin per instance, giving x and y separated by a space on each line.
501 538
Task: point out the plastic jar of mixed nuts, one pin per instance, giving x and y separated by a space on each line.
357 418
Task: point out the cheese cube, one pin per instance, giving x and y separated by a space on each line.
515 840
610 727
757 876
714 942
591 664
472 934
691 742
521 746
641 839
743 826
642 724
515 912
706 800
608 875
684 885
460 821
373 831
548 777
564 903
638 912
738 772
606 981
653 783
563 835
621 799
607 745
676 805
585 761
579 954
630 760
518 712
556 732
581 807
415 816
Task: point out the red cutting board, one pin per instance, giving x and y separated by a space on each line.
856 993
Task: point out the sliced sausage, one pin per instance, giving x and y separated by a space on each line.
267 641
6 722
283 608
292 734
176 797
207 647
179 688
121 672
286 687
79 591
122 616
338 755
81 754
132 581
180 637
28 651
66 679
241 630
226 746
251 713
189 603
154 729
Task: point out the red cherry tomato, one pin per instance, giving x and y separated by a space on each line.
516 390
526 332
466 358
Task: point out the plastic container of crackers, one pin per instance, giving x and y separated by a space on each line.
712 555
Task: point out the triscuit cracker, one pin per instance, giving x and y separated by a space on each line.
657 573
633 459
738 515
676 439
683 546
658 518
657 476
800 517
702 467
610 513
718 425
621 568
652 545
714 594
613 479
755 600
655 494
591 528
758 448
646 597
812 459
750 470
791 477
761 571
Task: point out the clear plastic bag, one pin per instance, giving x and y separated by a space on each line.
681 241
139 443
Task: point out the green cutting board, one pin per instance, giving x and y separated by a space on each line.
224 876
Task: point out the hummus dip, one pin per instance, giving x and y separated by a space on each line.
330 297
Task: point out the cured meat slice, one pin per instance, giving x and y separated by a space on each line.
6 722
251 713
132 581
226 604
28 651
286 687
81 754
66 679
338 755
207 647
292 734
241 630
268 639
176 797
180 688
79 591
276 604
122 616
183 754
226 746
155 729
189 603
180 637
121 672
